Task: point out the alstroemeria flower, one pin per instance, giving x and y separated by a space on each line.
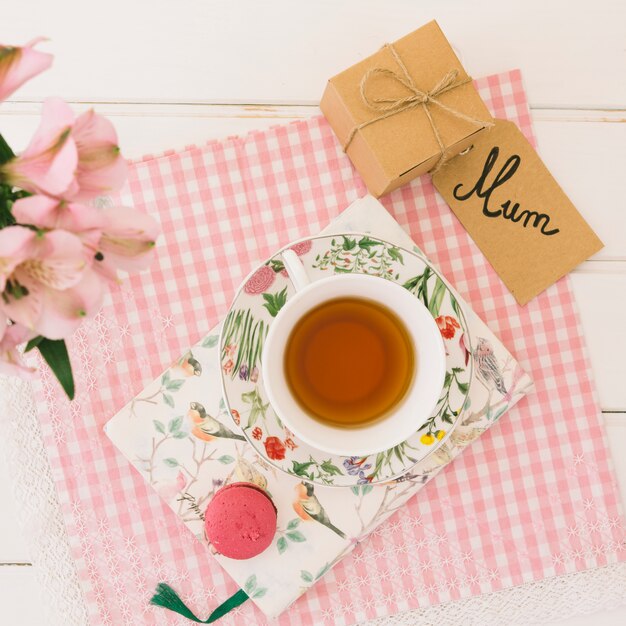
101 167
11 336
48 286
49 162
69 158
19 64
127 241
50 213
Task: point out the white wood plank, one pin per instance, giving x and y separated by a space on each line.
572 54
13 546
601 298
588 159
20 603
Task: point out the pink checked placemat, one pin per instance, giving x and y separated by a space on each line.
533 497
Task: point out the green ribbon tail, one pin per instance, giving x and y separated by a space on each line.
166 597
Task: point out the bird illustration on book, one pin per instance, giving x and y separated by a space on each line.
206 427
189 365
308 507
487 365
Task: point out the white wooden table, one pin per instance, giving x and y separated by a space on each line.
174 73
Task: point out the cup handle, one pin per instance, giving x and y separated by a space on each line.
295 269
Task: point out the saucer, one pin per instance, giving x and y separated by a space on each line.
254 308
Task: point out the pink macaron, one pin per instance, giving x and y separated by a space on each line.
240 521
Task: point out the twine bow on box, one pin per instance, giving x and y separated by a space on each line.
417 98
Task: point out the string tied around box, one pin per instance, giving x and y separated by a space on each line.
416 98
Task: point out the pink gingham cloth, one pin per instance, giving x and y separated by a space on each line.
533 497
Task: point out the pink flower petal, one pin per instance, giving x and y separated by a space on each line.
46 212
16 245
128 238
10 359
49 162
101 167
26 310
64 311
17 65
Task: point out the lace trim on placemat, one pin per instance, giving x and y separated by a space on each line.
39 515
548 600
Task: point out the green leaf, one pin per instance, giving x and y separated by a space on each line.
159 426
299 469
296 536
293 523
331 469
54 352
250 584
463 387
322 571
436 298
259 593
365 243
499 414
455 306
412 283
168 400
281 544
165 378
355 490
366 489
170 462
33 343
277 265
226 459
348 244
222 404
258 409
275 302
181 434
210 341
6 154
174 385
175 424
395 254
447 380
307 577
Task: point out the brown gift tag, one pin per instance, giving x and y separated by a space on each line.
515 211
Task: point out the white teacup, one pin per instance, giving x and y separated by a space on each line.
421 397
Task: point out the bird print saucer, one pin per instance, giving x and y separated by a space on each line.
256 305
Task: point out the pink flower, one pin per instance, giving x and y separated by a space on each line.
50 160
127 241
302 247
260 280
50 213
46 282
101 167
10 359
116 238
17 65
228 366
70 158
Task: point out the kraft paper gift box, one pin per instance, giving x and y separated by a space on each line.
402 111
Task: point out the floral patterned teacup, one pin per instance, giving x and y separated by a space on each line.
422 395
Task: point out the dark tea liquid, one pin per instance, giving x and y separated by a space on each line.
349 361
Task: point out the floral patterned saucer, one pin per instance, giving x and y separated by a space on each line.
245 329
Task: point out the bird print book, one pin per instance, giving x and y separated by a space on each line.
179 434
